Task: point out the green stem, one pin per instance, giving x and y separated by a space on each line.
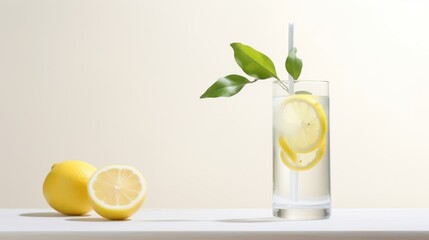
282 85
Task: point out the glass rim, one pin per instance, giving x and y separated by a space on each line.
302 81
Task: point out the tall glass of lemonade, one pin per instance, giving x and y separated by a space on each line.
301 148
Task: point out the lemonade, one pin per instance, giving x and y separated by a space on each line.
301 153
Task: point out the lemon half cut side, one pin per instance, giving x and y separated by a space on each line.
117 192
305 123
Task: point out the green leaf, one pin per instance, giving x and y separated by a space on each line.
253 62
293 64
226 87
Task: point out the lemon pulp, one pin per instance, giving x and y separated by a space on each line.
304 121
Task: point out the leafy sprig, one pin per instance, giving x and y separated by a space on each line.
256 65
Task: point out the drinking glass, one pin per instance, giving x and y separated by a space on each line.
301 164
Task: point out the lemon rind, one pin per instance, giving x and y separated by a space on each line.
286 153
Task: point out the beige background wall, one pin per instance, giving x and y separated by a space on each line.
119 82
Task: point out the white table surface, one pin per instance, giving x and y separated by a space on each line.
215 224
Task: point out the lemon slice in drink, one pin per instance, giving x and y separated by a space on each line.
305 123
298 161
117 192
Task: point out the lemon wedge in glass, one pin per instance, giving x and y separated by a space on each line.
299 161
305 123
116 192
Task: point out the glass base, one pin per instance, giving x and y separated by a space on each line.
302 213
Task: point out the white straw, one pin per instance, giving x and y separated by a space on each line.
293 187
291 28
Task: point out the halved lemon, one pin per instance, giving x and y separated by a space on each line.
116 192
305 123
299 161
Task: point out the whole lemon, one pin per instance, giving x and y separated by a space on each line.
65 187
